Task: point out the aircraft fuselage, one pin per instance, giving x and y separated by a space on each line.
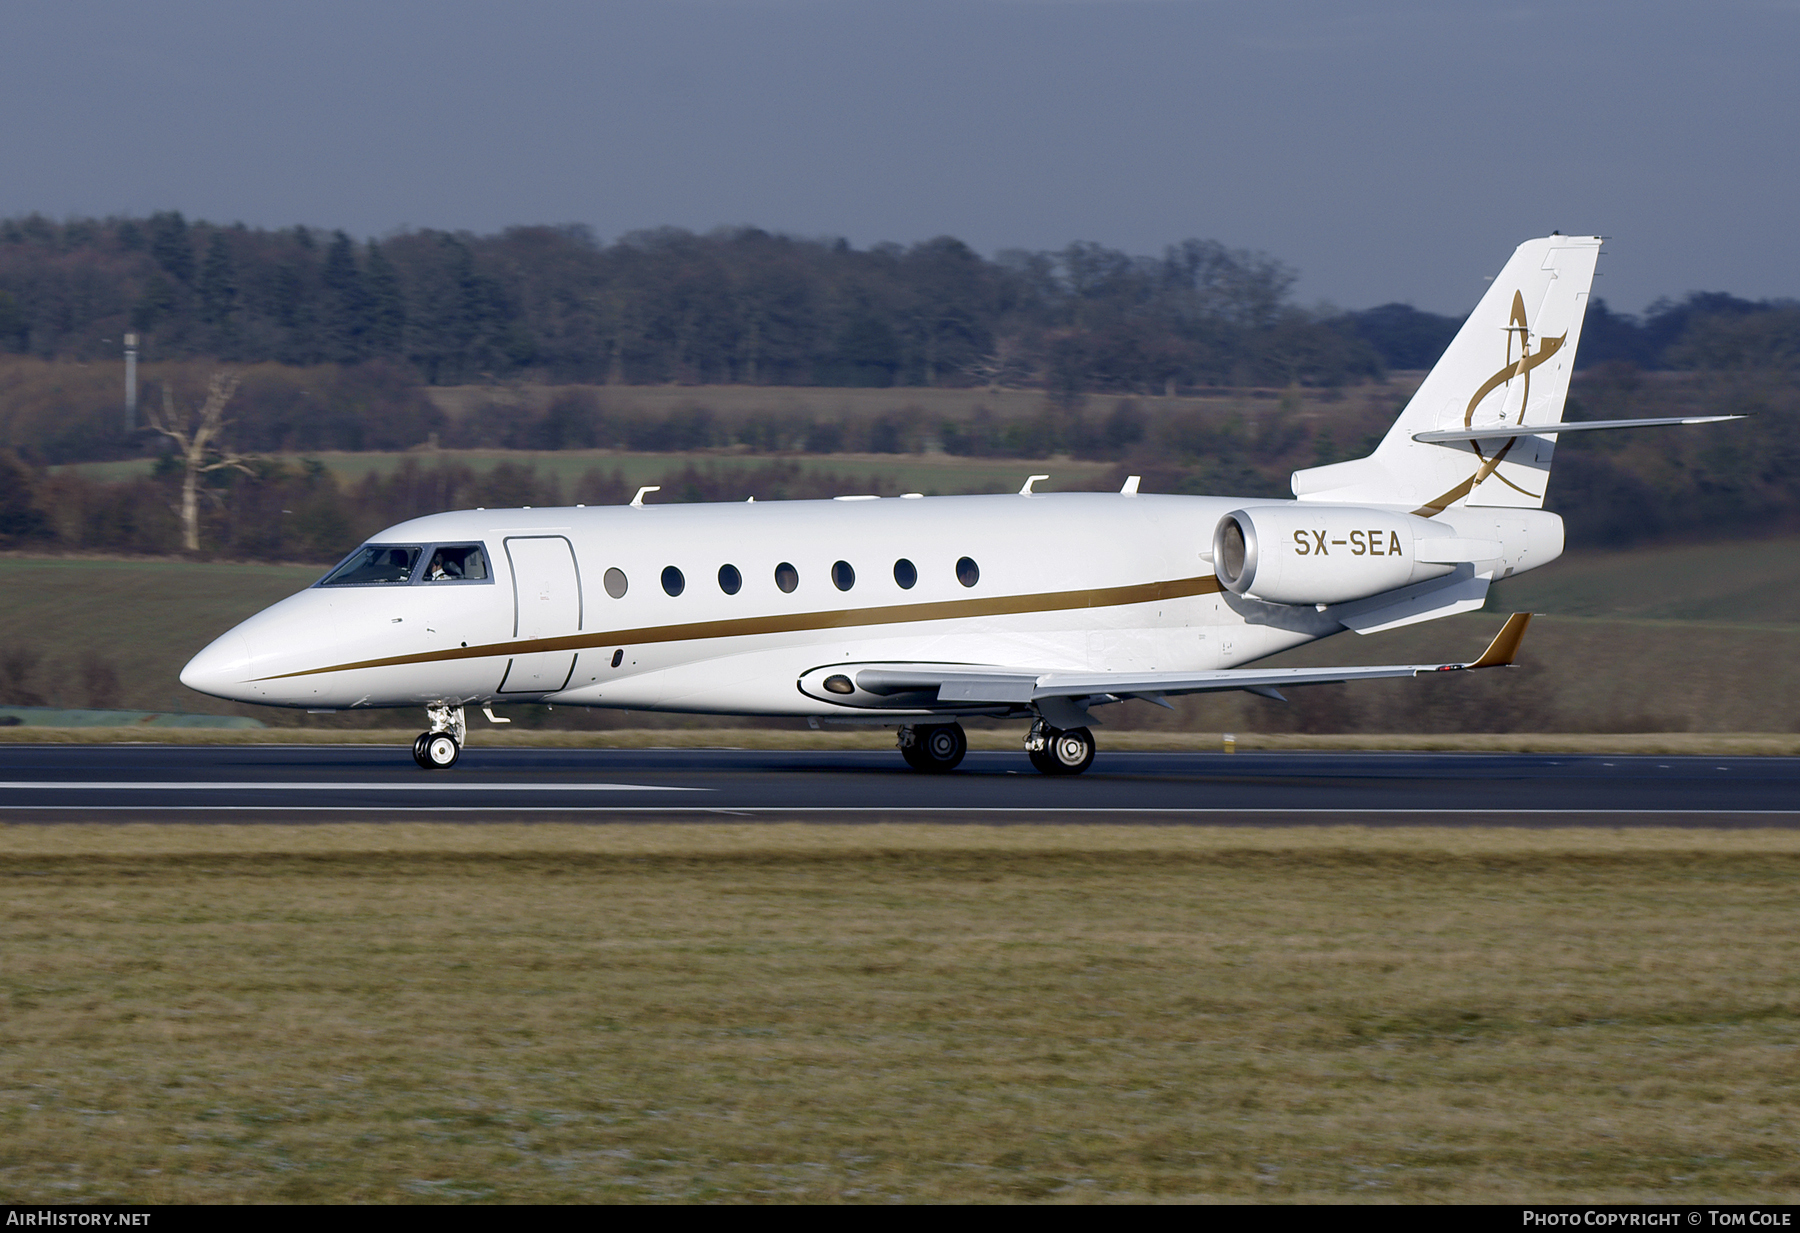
735 608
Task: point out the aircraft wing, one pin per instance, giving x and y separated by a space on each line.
1046 690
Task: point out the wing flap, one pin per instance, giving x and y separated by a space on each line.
1499 653
1067 694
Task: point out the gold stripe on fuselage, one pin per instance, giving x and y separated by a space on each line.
897 614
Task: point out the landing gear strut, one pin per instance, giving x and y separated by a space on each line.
933 748
439 748
1059 751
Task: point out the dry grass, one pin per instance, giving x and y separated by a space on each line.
412 1013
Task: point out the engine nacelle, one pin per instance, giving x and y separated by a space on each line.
1328 554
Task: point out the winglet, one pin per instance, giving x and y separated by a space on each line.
1505 645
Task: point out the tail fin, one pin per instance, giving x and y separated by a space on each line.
1509 364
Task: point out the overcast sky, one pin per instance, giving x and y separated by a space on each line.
1388 150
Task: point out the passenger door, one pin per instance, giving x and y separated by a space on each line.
547 604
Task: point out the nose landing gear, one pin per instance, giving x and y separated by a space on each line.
1059 751
933 748
439 748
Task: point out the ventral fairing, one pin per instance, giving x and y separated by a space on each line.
919 611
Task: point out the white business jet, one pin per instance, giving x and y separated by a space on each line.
916 612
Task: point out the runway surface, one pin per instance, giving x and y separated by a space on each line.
124 783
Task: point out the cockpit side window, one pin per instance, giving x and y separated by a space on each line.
376 565
456 563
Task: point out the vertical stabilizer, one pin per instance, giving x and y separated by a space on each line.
1509 364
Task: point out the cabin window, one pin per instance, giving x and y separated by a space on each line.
672 580
906 574
967 572
730 581
787 578
456 563
842 576
615 583
376 565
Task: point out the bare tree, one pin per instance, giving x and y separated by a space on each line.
197 434
1007 364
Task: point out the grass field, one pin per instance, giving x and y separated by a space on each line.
932 474
142 619
445 1014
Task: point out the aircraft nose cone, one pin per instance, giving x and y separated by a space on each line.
222 669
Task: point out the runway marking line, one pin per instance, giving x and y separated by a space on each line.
261 786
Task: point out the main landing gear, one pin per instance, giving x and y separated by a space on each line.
438 749
937 748
1059 751
933 748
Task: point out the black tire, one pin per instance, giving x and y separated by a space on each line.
441 751
419 750
939 748
1040 761
914 754
1069 752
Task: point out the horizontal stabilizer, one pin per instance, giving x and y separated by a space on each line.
1502 432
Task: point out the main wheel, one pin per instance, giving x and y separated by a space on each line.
419 743
914 754
1069 752
441 751
937 749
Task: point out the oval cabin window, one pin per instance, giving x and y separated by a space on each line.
672 581
787 578
730 581
906 574
967 572
842 576
615 583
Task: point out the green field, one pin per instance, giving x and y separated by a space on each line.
416 1013
932 474
1686 639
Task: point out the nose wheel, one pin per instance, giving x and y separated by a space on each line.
438 749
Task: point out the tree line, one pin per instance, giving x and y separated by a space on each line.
736 305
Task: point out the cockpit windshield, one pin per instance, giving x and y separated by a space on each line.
456 563
376 564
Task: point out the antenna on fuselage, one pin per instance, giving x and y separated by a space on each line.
1131 485
1030 480
637 502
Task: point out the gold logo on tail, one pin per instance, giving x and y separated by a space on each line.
1521 369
